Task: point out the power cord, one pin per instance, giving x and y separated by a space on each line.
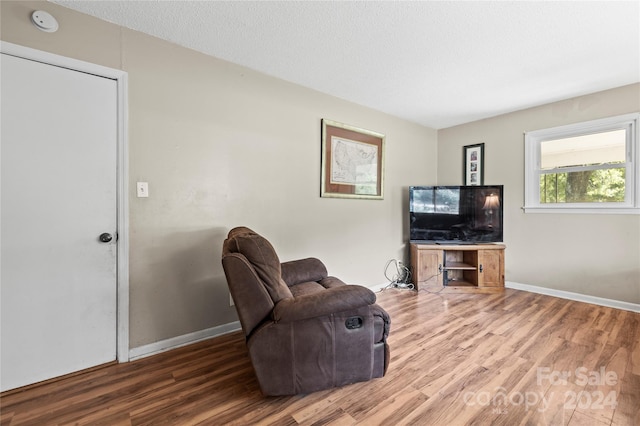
402 277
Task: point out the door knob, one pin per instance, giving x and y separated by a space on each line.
105 237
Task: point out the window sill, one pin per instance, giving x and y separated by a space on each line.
583 210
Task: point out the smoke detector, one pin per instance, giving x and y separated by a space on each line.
44 21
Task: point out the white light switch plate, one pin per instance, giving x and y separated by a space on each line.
142 189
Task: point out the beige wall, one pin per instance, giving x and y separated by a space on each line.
596 255
221 146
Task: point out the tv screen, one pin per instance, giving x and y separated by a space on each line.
456 214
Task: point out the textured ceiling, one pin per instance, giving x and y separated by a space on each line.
437 63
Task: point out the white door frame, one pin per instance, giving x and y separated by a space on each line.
122 190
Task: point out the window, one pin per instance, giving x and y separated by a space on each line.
590 167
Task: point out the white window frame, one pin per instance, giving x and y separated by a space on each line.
533 141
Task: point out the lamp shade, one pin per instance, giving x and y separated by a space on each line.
491 202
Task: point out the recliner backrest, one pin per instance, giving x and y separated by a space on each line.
262 256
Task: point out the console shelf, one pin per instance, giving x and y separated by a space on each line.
464 268
460 266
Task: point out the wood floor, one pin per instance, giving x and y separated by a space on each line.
505 359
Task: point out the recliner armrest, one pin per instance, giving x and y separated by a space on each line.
332 300
303 270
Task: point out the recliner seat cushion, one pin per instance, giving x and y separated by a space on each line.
306 288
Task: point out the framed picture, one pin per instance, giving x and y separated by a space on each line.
352 162
474 164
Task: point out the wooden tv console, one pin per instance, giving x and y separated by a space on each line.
452 268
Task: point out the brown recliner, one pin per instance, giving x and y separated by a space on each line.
305 331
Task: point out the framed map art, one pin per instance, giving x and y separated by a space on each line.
352 162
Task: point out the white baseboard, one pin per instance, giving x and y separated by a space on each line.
627 306
197 336
601 301
185 339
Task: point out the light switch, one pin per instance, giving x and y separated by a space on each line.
142 189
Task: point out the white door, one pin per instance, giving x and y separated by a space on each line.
58 196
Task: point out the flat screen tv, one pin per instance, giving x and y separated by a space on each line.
456 214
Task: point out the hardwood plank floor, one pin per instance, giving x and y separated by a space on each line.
501 359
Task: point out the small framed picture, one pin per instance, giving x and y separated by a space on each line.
474 164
